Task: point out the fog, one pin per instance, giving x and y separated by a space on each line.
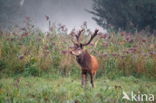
71 13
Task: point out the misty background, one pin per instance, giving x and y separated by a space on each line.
71 13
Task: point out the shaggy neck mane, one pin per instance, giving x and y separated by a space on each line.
84 59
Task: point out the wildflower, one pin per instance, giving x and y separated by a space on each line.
123 56
126 51
24 29
27 18
105 44
62 27
132 50
135 46
128 38
144 40
115 55
123 33
104 36
152 53
105 55
25 34
47 17
11 39
145 54
92 44
21 57
65 52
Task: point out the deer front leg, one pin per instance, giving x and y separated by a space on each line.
84 79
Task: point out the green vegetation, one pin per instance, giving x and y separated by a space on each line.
37 67
69 90
33 53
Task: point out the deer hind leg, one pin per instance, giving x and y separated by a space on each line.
92 77
92 80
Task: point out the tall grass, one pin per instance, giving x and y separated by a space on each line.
29 51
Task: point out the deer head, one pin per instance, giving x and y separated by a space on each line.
78 47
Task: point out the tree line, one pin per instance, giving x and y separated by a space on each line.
127 15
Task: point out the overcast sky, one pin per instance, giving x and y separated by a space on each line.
72 13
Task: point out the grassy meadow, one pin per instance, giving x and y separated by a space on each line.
69 90
36 67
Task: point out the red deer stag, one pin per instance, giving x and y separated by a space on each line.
89 64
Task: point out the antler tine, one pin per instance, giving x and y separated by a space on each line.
73 41
92 37
72 36
78 36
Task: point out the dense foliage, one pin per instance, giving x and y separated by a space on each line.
28 51
126 15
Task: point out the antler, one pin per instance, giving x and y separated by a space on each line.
92 37
78 36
